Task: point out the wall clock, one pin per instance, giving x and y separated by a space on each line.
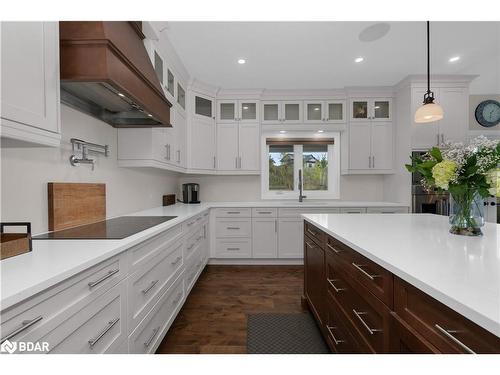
488 113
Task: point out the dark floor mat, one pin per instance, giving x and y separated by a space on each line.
284 334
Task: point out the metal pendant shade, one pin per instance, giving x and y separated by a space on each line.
429 111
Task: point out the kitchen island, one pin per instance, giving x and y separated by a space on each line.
402 283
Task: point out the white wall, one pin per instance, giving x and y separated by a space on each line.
247 188
26 171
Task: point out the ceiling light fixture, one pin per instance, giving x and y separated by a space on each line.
282 131
454 59
429 111
359 59
241 61
320 131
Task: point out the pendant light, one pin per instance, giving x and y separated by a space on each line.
429 111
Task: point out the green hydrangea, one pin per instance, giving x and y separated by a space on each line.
443 172
493 179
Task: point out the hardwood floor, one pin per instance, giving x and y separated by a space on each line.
214 317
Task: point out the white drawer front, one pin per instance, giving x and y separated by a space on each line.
353 210
296 212
146 250
192 269
192 222
264 212
52 307
233 228
194 240
147 284
100 327
387 210
233 248
233 212
149 333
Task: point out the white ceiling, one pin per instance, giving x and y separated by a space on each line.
319 55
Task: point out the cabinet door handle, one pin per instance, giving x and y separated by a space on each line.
233 228
312 232
337 290
150 340
369 162
191 246
335 340
373 161
151 286
173 263
336 251
358 315
214 162
309 245
105 277
110 325
232 248
25 324
233 212
448 334
275 226
178 156
358 267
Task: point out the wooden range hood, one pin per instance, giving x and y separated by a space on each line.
106 72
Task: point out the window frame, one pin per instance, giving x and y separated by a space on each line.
333 191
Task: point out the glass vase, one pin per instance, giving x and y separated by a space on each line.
466 214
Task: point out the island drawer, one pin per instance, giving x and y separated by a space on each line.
338 335
444 328
375 278
405 340
369 316
315 234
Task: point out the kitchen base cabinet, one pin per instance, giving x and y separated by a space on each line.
264 238
370 310
290 238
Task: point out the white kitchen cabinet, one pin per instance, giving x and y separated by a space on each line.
179 131
202 133
264 237
454 125
375 109
371 147
324 111
290 238
30 100
237 111
282 112
238 147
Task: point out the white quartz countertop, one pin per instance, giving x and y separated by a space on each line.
461 272
53 261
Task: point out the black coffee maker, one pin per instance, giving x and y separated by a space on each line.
190 193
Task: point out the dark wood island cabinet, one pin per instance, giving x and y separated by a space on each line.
361 307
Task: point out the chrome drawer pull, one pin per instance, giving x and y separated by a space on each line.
358 267
105 277
448 333
337 290
150 340
151 286
264 212
199 238
312 232
110 325
358 315
233 248
190 247
25 324
235 228
198 218
335 340
173 263
336 251
309 245
233 212
177 298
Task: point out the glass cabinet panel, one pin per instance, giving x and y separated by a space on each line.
314 111
360 109
170 82
381 108
181 96
335 111
248 111
227 111
292 111
159 67
203 106
271 112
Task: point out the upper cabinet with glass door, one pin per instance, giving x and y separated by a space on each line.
281 112
378 109
203 107
237 110
320 111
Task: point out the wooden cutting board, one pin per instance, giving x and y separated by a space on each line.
74 204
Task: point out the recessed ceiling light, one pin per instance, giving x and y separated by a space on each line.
282 131
241 61
320 131
120 94
358 59
454 59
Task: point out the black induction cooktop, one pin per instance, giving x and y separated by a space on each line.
112 229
